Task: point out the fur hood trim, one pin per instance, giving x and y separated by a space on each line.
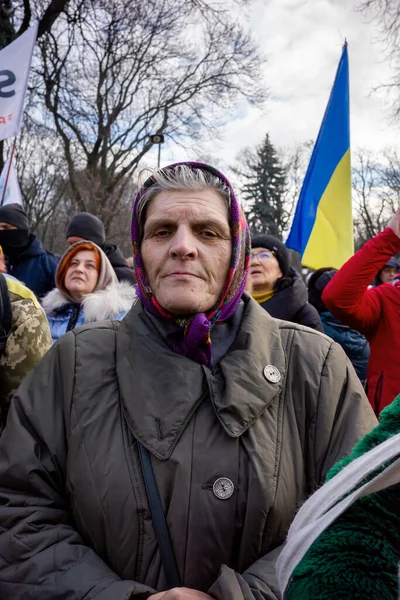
97 306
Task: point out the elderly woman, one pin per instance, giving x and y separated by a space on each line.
171 451
276 286
87 290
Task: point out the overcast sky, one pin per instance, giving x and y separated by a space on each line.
302 40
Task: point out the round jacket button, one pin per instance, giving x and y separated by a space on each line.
223 488
272 374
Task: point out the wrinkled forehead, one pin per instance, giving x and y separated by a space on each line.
187 206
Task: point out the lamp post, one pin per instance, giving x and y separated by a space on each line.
304 272
157 138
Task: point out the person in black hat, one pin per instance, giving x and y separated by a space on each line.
276 286
26 258
85 226
352 341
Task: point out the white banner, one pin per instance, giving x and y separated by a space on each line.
13 191
15 62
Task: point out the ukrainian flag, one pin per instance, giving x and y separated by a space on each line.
322 229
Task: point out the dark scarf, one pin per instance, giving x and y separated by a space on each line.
13 241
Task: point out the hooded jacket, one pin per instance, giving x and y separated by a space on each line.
291 304
110 299
119 264
374 312
73 509
352 341
27 342
34 266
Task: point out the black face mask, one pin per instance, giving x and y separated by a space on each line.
12 240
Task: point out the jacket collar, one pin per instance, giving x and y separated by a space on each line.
35 248
287 303
160 390
116 298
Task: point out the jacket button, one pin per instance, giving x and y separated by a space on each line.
223 488
272 374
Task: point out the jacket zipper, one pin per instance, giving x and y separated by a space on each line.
74 317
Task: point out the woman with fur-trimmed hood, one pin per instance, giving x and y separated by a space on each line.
87 290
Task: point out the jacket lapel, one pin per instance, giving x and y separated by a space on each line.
160 390
241 391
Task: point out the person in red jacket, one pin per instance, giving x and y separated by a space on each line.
374 312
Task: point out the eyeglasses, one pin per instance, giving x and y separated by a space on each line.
262 256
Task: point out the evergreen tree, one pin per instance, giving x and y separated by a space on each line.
263 189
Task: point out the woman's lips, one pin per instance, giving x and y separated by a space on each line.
181 275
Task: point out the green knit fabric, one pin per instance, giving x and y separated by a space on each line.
357 557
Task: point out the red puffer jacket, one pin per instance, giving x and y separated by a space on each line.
374 312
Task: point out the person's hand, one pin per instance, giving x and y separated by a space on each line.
394 222
180 593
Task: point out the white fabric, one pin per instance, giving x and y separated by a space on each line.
118 297
13 191
326 505
15 62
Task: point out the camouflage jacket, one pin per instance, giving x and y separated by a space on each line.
28 341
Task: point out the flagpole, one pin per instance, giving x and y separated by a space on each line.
8 173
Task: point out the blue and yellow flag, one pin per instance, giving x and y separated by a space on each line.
322 229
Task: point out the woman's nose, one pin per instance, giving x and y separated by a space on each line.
183 243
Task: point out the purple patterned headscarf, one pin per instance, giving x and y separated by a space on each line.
192 335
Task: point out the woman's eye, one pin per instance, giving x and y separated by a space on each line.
162 233
208 234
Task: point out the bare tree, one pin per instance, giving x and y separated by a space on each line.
376 192
295 161
15 18
387 14
129 69
42 177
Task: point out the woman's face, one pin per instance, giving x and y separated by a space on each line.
187 249
264 270
81 276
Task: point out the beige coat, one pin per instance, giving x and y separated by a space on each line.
72 500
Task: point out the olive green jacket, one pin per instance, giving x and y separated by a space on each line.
28 341
73 506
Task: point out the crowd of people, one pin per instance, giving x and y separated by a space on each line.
161 426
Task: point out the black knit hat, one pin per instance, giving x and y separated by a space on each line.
262 240
14 214
316 285
88 227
